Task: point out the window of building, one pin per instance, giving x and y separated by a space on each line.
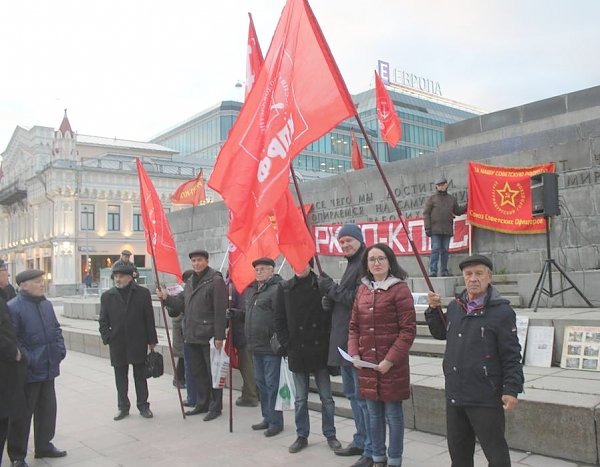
138 223
88 217
114 218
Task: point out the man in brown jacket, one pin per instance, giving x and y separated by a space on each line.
440 209
203 303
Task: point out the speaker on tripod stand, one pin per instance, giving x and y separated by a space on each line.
544 202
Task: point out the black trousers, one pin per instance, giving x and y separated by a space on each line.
487 423
200 364
141 386
41 404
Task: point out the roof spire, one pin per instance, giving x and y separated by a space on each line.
65 125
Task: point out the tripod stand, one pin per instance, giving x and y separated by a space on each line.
547 271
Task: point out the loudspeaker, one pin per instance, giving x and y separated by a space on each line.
544 195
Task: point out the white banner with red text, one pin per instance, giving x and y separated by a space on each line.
392 234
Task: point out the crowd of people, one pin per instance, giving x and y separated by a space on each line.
361 327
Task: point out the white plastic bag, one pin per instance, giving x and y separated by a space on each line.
286 394
219 365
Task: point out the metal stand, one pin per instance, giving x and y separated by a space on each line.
547 271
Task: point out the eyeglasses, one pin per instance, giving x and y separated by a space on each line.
378 259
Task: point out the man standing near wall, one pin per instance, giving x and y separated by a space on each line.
482 364
203 302
41 342
340 298
440 209
127 326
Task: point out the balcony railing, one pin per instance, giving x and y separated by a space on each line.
12 194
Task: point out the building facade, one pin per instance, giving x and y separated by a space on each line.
70 203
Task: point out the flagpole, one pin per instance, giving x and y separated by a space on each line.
393 198
230 336
162 307
297 187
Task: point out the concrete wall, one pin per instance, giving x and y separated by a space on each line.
563 129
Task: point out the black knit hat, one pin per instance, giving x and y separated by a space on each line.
351 230
121 268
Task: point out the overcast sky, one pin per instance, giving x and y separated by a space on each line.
132 69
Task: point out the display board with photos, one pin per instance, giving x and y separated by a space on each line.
581 348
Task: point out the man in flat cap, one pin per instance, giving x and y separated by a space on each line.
203 303
9 290
125 259
12 399
438 215
127 326
482 364
261 300
41 343
339 299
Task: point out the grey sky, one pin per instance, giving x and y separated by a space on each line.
132 69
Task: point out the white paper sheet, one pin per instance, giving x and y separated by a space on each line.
355 361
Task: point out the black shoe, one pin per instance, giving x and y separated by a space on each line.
380 464
146 412
350 450
211 416
298 445
364 461
446 274
260 426
245 403
50 453
188 404
272 432
121 414
19 463
181 384
333 443
433 274
196 410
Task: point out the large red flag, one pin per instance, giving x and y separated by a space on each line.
190 192
500 198
389 122
159 239
299 96
255 57
357 160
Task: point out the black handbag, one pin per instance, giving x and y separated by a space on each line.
154 366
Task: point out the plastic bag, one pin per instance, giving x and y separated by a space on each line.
219 365
286 394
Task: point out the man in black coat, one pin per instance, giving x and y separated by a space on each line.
482 364
12 376
127 326
303 330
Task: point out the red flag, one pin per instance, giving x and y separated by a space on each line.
295 241
159 239
255 57
190 192
298 97
357 160
389 122
500 198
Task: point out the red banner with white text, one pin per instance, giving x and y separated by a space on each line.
392 234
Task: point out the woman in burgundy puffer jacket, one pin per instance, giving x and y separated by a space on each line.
382 329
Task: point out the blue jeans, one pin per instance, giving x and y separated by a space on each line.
301 404
362 437
266 371
190 383
380 413
439 250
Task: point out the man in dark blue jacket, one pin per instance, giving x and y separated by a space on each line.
40 340
482 364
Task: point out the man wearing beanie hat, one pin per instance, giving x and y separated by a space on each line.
484 356
341 298
41 342
438 215
127 326
203 303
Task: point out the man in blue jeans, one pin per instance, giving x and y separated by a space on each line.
259 328
339 299
303 331
438 215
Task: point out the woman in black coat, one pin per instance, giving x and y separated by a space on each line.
127 326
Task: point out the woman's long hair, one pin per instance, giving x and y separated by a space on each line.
395 269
